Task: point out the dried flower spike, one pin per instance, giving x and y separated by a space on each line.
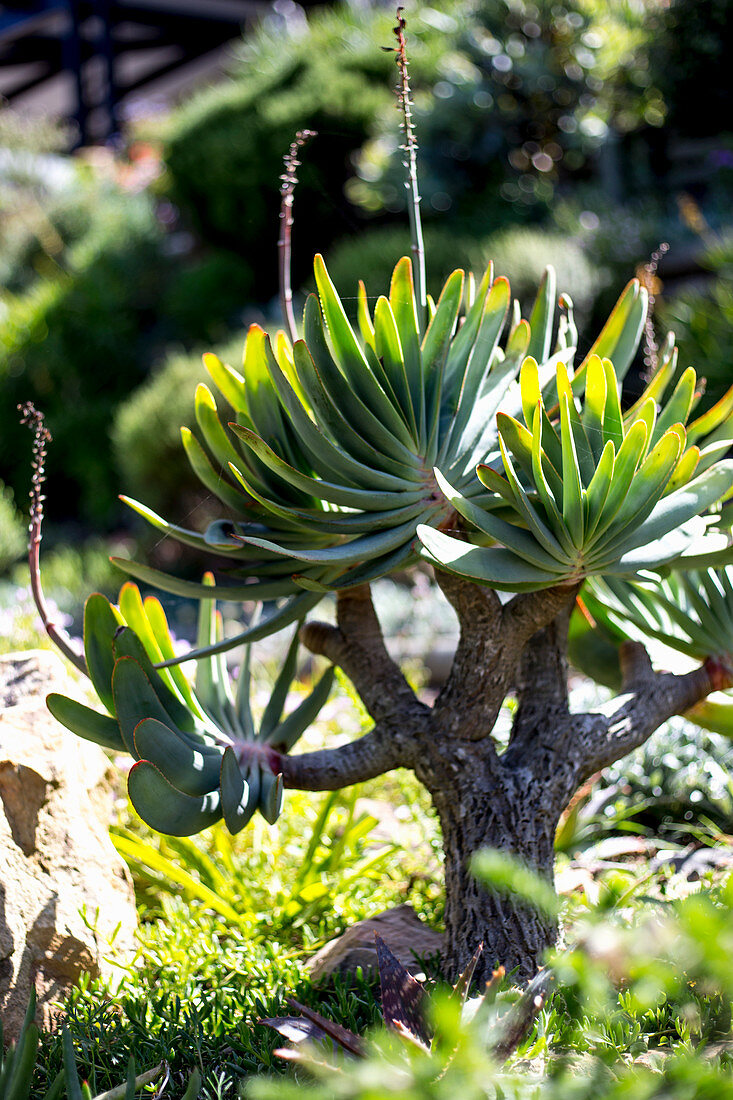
288 181
30 415
409 148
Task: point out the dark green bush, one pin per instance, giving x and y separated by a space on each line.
691 63
146 432
206 299
75 346
81 337
37 238
702 320
520 253
12 530
528 95
511 100
224 149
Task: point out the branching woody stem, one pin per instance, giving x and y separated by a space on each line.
41 438
357 646
521 645
542 681
492 639
384 748
288 182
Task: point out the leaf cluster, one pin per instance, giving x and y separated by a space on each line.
198 753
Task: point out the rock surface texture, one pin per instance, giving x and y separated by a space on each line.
64 891
401 929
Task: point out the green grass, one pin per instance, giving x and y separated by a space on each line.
203 976
228 924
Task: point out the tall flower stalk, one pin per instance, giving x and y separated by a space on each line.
409 149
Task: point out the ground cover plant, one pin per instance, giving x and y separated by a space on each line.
641 1003
461 434
225 934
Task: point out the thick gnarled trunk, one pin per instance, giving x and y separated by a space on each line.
489 801
509 800
514 935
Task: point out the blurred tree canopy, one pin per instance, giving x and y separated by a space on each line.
512 98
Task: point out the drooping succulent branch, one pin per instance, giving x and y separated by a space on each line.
41 438
200 754
288 182
409 148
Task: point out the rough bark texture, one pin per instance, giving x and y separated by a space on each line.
494 809
510 800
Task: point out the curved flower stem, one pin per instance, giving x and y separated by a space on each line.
284 246
409 148
41 438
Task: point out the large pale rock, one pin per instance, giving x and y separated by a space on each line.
400 928
64 891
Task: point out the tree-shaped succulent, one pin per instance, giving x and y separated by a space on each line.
457 433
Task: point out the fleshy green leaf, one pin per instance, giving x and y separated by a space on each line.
166 809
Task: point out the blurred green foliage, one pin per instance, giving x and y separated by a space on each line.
520 252
224 149
529 94
690 63
511 99
146 434
206 296
30 235
701 317
72 571
90 297
74 345
13 537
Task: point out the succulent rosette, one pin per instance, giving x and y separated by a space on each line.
584 488
199 753
326 457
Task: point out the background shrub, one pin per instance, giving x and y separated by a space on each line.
74 345
224 150
529 96
702 319
146 432
512 100
691 61
13 537
208 297
521 253
82 337
37 235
